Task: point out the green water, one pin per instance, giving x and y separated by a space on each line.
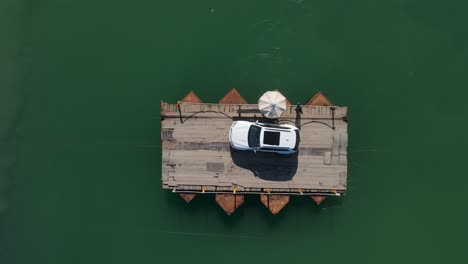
80 155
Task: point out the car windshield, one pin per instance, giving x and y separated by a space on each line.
254 136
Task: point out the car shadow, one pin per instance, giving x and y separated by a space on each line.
265 165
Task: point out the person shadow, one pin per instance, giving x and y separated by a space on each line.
299 112
266 165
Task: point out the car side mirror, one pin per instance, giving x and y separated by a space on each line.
255 150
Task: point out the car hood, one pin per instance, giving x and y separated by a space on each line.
239 133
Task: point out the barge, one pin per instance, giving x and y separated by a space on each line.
198 159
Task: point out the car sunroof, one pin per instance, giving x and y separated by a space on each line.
271 138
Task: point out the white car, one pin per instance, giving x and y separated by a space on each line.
283 139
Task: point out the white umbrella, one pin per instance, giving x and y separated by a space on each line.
272 104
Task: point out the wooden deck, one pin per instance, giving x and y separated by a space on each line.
196 156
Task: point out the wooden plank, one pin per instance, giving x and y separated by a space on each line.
194 170
197 152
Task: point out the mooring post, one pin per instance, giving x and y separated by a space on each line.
180 112
333 116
